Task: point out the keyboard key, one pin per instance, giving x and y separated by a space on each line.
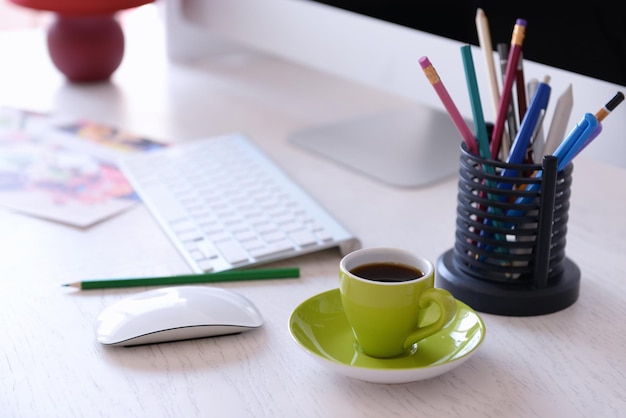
303 237
205 266
206 248
232 251
273 249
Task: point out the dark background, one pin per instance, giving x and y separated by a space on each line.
588 39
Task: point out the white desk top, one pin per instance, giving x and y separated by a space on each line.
570 363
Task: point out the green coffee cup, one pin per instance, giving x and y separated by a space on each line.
390 301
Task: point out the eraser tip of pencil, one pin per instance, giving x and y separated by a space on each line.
521 22
424 62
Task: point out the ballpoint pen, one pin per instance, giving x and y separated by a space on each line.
576 139
564 153
453 111
580 136
530 123
517 40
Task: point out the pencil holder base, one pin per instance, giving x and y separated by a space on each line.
509 299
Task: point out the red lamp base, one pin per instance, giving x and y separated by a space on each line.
86 48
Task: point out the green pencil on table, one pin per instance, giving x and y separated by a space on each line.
223 276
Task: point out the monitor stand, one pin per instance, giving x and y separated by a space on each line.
407 147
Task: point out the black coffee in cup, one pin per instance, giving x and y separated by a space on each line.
387 272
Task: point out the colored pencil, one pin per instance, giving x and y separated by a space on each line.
511 121
223 276
517 39
477 111
484 40
453 111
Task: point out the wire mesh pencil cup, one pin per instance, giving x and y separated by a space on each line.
509 252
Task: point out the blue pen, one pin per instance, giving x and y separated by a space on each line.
583 133
532 119
601 114
575 141
565 152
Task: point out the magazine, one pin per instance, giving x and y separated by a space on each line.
64 171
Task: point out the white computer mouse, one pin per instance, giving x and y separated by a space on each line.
176 313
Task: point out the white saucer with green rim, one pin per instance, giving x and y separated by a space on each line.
320 327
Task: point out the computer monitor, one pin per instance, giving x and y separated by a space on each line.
414 146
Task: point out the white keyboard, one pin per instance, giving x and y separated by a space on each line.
224 204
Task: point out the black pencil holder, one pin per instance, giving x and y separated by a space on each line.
509 252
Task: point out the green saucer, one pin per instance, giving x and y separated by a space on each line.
320 327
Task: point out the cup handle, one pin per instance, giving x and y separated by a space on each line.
447 307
